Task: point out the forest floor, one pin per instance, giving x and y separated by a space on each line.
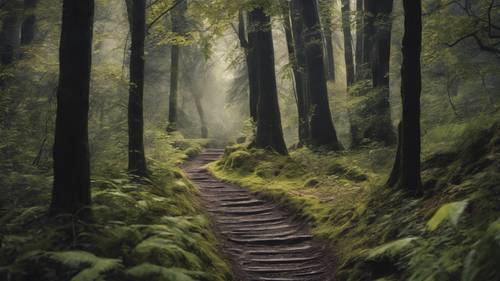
377 233
149 230
262 240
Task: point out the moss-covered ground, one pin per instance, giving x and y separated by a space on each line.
152 230
377 233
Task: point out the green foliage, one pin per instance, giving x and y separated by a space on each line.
449 212
70 265
383 234
156 273
392 249
483 261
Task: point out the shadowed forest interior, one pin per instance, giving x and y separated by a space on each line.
239 140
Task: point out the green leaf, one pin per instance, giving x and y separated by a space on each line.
449 212
392 248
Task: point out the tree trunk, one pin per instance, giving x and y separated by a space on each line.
359 38
136 155
174 81
372 120
28 27
327 32
253 83
348 52
411 85
178 22
297 28
10 35
322 131
71 190
380 129
201 114
368 31
269 134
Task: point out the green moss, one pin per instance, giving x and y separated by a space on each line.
383 234
157 222
156 273
70 265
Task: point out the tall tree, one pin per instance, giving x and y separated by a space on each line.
10 34
178 22
322 131
359 38
372 120
348 52
253 83
297 72
71 190
269 133
326 16
408 157
136 155
28 26
299 59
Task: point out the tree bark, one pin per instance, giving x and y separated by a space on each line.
136 155
29 23
411 84
71 190
348 50
359 38
178 22
381 129
372 120
174 81
10 35
322 131
269 134
253 83
327 33
297 28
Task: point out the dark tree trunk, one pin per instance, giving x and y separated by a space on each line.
322 131
136 155
28 27
348 52
253 83
327 32
10 35
71 191
411 84
372 120
174 81
368 31
178 22
381 129
359 38
269 134
297 28
298 78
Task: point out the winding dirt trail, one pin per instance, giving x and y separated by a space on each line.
262 241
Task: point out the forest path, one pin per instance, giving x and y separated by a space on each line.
262 241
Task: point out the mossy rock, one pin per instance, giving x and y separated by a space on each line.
239 160
192 152
352 173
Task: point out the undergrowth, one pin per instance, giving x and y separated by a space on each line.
451 233
152 230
